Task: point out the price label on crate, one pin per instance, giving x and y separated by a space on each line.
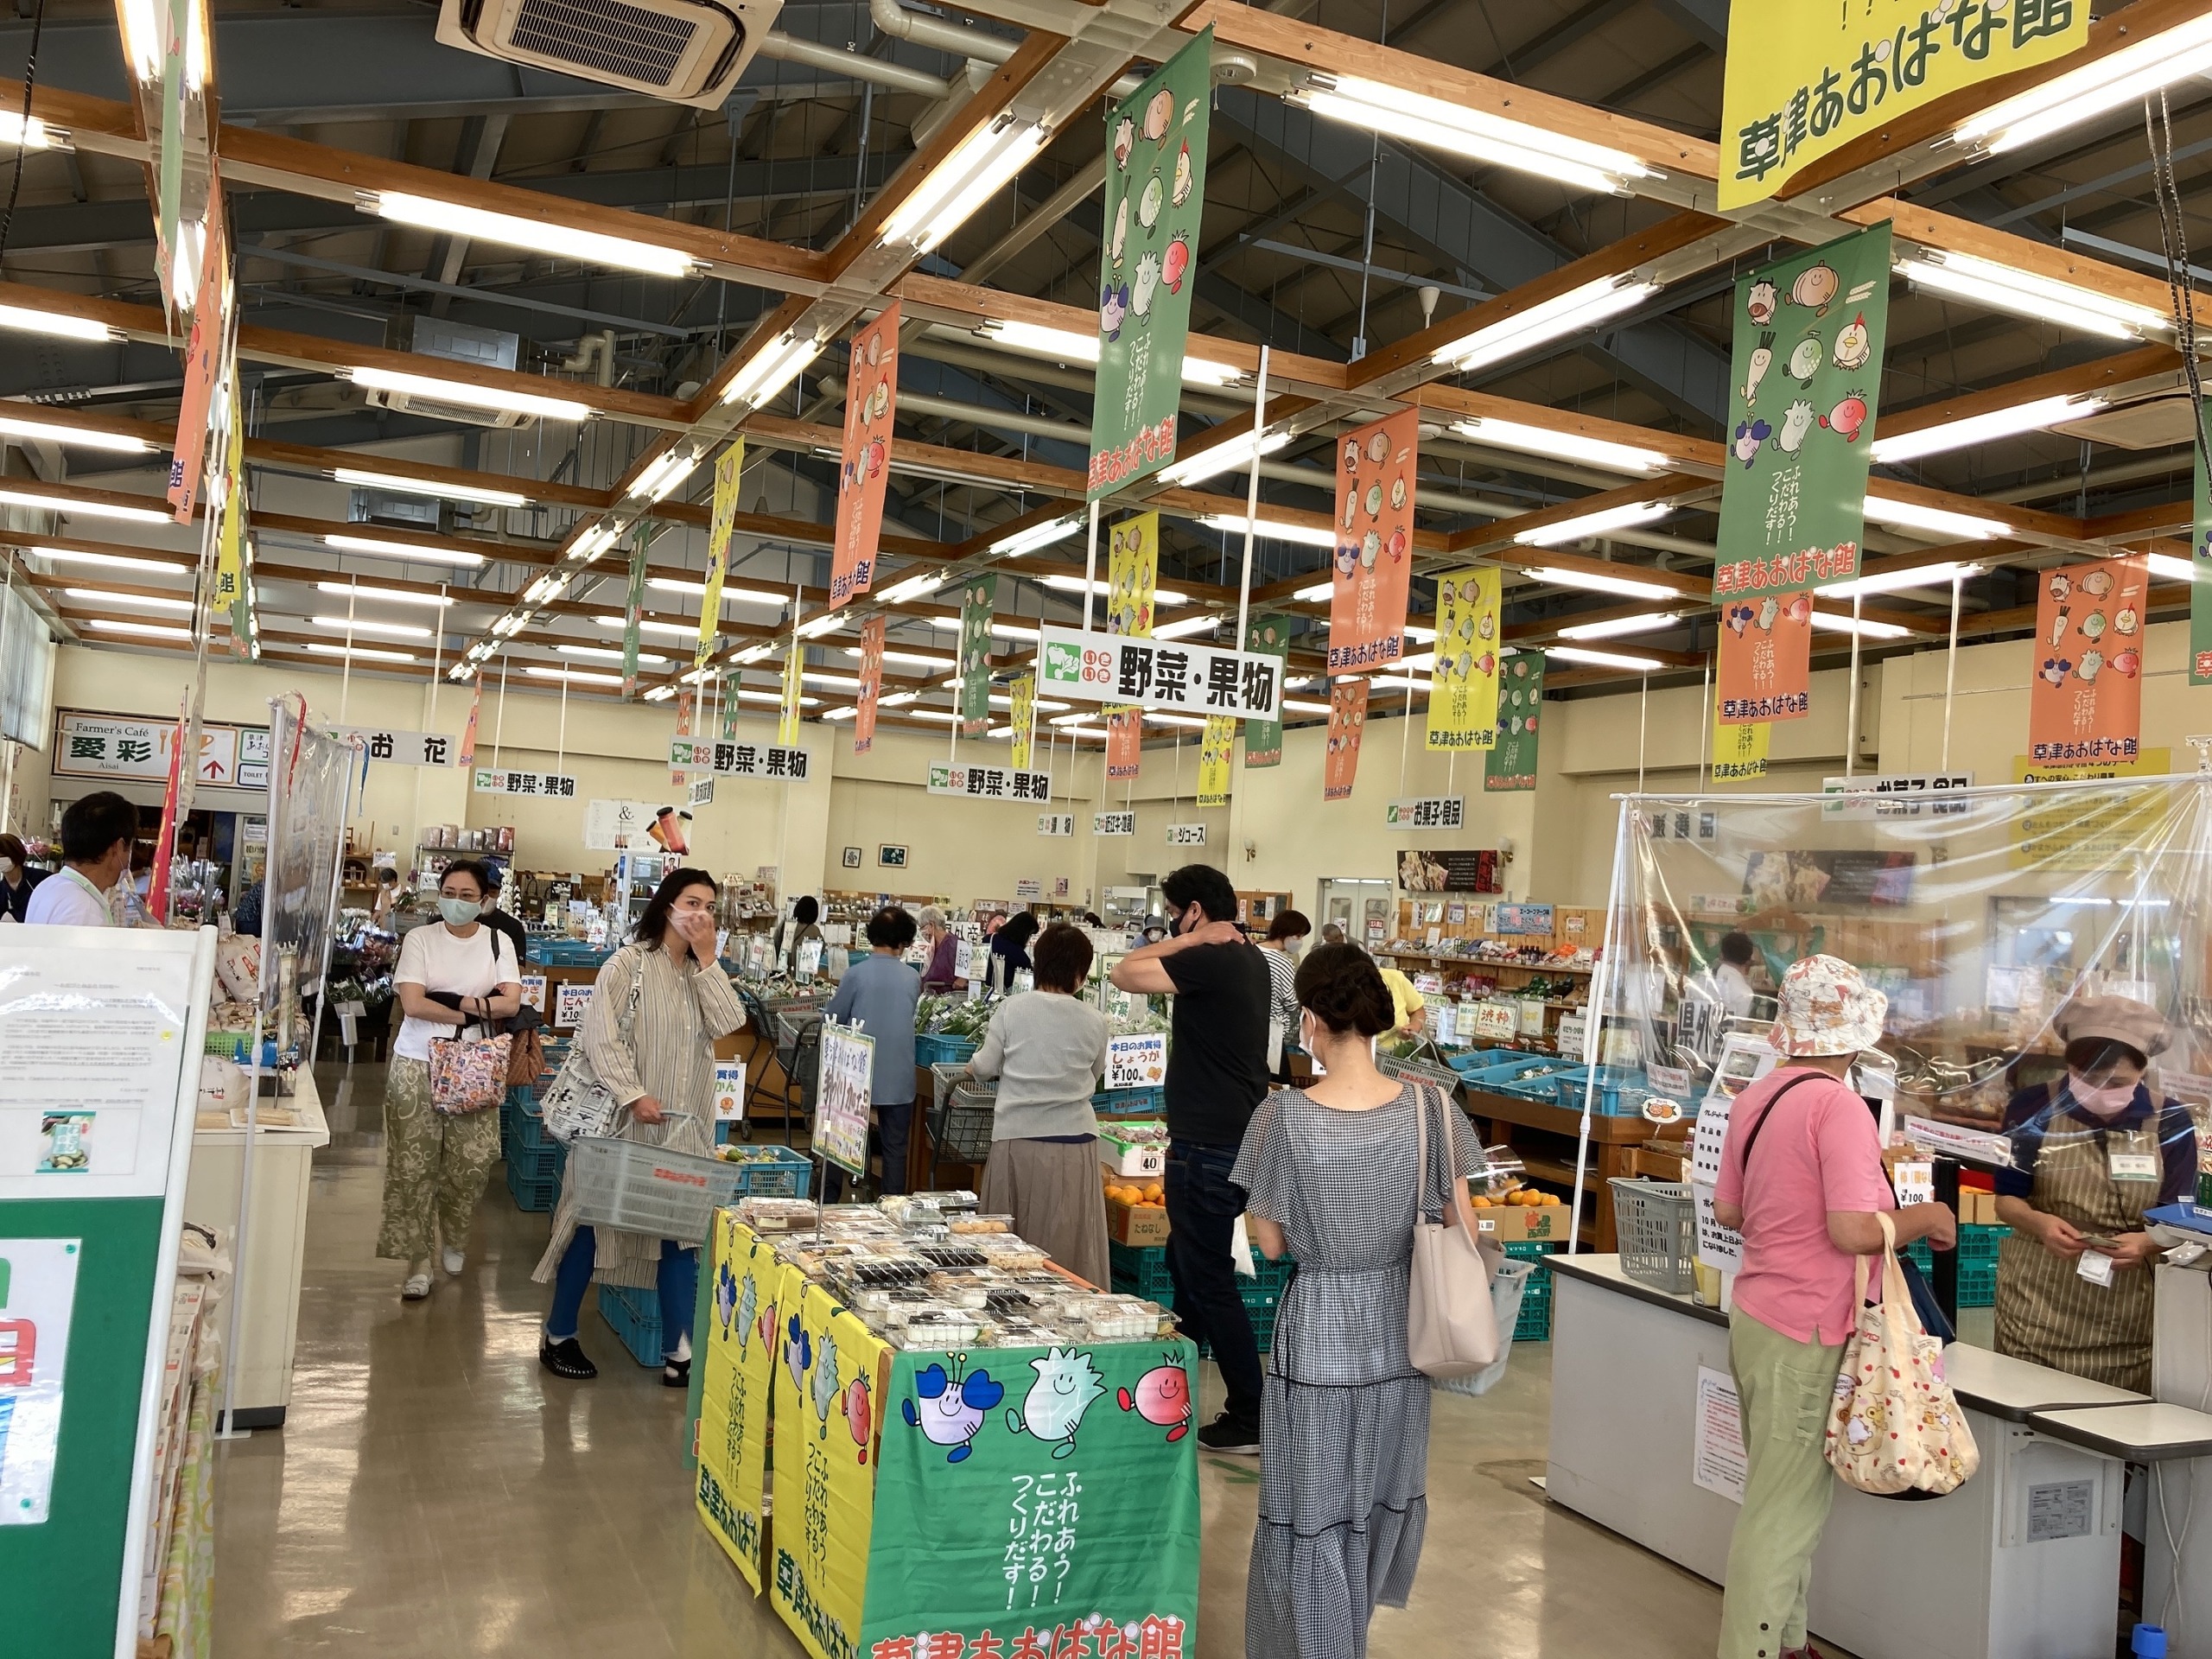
533 992
569 1004
1139 1061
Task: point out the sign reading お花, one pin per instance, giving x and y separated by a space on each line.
1159 674
405 748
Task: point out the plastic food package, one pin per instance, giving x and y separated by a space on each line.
978 1223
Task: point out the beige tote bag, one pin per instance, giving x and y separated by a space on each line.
1450 1324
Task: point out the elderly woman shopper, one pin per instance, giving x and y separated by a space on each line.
455 976
879 992
2091 1151
1046 1047
941 973
1801 1178
659 1003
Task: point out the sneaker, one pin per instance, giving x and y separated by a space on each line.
565 1359
676 1373
1226 1435
455 1260
417 1288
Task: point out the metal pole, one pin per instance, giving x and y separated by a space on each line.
1950 674
1643 727
1252 503
500 720
346 673
330 933
1089 565
1705 733
1851 715
1601 986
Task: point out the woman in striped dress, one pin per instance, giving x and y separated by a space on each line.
659 1060
1328 1172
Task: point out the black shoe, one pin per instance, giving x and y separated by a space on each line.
1228 1435
676 1373
565 1359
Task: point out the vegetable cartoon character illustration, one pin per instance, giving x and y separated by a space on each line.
1158 113
1120 230
1113 307
1181 193
1799 610
1148 279
740 1317
2059 626
1066 1384
765 1326
1805 360
2089 667
2126 664
2097 583
1816 285
1760 302
1148 204
1177 264
2126 621
857 1418
1750 435
1854 344
1797 422
2062 586
1739 617
825 1383
2055 670
953 1408
798 1353
1125 139
1769 609
1162 1397
1847 417
2093 625
1762 360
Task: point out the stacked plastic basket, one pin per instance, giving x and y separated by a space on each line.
1142 1270
1977 1244
535 1160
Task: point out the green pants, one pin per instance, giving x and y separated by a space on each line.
434 1165
1785 1388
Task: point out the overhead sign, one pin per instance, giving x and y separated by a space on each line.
990 782
1374 564
1347 722
740 759
1113 824
1056 823
1186 835
1463 677
1512 764
405 748
1214 763
1270 637
107 745
1426 812
556 785
1159 674
864 468
1897 795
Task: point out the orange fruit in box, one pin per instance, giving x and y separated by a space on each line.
1154 1191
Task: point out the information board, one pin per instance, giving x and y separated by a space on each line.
842 1101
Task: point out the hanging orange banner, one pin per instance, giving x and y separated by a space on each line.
2085 703
871 405
1375 543
202 353
1766 658
1347 720
871 685
1124 745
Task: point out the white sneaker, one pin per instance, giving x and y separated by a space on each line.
454 1262
417 1288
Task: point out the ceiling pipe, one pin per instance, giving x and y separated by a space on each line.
836 60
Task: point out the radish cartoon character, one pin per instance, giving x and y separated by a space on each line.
1148 279
1125 138
1066 1384
1162 1398
952 1408
1762 360
1847 418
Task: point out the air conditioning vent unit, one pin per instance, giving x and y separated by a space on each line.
683 51
418 513
449 342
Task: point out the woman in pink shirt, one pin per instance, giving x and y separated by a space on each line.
1803 1189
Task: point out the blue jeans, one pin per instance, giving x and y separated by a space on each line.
679 1287
1202 1205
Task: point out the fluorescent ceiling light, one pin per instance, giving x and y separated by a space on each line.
1299 705
364 624
1647 622
819 626
1426 636
838 681
777 697
1864 627
931 713
402 486
1316 594
1493 139
603 654
985 162
139 630
55 323
572 676
1066 721
769 371
2168 567
1590 581
363 653
88 508
1935 521
916 658
897 700
1897 582
1563 446
377 547
1594 524
23 135
396 595
2041 299
1174 720
1271 530
2117 78
109 560
1563 315
1075 584
1606 658
1234 454
535 236
842 714
2033 417
660 694
662 474
472 397
913 588
698 590
1184 628
1065 345
545 588
592 542
462 669
754 653
151 602
1037 535
1000 731
648 625
1399 682
145 42
1006 630
12 426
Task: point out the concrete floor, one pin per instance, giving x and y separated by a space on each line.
435 1492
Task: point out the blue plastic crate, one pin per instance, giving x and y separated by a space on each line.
537 1164
775 1172
1148 1102
634 1316
536 1197
1528 1076
942 1048
1465 1061
1621 1090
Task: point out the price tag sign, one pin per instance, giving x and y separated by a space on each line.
1914 1182
809 958
569 1004
729 1091
1137 1061
1495 1021
533 991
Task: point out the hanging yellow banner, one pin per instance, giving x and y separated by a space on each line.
794 669
1132 573
738 1361
1740 751
1214 751
1806 77
1023 695
719 519
224 599
1462 681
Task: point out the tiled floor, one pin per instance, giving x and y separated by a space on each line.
434 1492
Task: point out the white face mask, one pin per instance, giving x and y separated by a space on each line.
6 867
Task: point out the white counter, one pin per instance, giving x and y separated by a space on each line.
275 1242
1959 1577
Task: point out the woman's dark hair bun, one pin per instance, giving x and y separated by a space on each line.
1340 986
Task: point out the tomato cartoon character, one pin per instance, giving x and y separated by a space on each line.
858 1420
952 1408
1162 1397
1176 265
1847 417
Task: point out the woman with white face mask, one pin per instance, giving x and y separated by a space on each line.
16 880
2092 1150
1286 936
455 976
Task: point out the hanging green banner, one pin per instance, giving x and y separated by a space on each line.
977 596
633 610
1155 194
1807 370
2199 587
1263 738
1512 763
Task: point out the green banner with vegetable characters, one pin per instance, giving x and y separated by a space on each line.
1155 195
2200 570
1263 738
977 597
1512 764
1807 370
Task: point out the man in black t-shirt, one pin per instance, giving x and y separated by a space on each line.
1217 1077
500 922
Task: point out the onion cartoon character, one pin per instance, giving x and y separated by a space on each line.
1162 1398
1378 446
1177 264
1066 1384
1816 287
1847 418
952 1408
2097 583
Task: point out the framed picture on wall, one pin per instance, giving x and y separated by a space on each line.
893 858
852 858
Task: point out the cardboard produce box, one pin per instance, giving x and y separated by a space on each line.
1515 1225
1136 1224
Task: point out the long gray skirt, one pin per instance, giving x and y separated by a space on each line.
1052 1189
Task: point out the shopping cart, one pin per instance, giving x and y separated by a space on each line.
961 1113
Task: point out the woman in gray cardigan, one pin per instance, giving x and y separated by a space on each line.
1047 1049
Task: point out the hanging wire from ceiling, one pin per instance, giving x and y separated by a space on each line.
23 148
2174 243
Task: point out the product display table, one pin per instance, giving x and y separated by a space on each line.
2022 1562
276 1240
1532 1129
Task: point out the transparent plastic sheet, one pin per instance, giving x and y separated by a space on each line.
308 774
1979 912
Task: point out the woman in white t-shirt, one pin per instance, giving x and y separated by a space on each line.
454 976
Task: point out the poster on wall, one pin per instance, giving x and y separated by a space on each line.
1375 543
721 519
1433 869
978 595
1022 720
1347 722
1263 738
1124 745
1463 679
864 470
1215 749
840 1109
616 826
871 685
1155 197
1511 764
2085 702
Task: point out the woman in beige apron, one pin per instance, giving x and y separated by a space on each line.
2092 1152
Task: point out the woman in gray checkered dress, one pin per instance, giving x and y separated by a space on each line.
1329 1173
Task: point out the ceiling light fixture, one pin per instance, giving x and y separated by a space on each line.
140 630
88 508
1065 345
604 654
1008 630
1562 314
1934 521
1272 529
20 133
648 625
985 162
109 560
769 371
1594 524
123 443
1316 594
2042 299
145 42
1606 658
915 658
913 588
534 236
2117 78
1175 720
1433 121
573 676
394 595
1864 627
404 485
660 694
698 589
1591 581
151 602
359 653
841 714
1231 455
1075 584
820 625
1185 628
2034 416
662 474
366 625
377 547
2168 567
1037 535
1299 705
837 682
777 696
497 399
58 324
1898 582
592 542
1560 446
1646 622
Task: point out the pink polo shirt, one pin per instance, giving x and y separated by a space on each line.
1821 1153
